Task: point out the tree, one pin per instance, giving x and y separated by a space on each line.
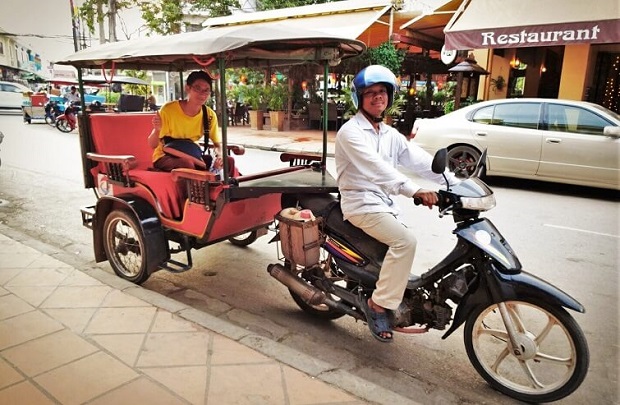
166 16
262 5
387 55
98 11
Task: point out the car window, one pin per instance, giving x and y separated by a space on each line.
575 119
11 88
520 115
483 115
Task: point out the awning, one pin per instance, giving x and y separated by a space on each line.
426 30
365 20
99 80
527 23
236 45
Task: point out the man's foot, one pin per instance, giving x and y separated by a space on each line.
378 322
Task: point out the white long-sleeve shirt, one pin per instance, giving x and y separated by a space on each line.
366 166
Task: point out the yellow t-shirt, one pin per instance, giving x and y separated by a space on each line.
178 125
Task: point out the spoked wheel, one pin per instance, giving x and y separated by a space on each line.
123 242
462 160
63 125
321 311
551 358
244 239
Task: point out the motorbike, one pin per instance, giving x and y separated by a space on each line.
67 121
518 334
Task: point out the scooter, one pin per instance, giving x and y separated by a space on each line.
518 335
67 122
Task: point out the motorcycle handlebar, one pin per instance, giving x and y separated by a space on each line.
418 200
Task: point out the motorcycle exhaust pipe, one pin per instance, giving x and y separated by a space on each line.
309 293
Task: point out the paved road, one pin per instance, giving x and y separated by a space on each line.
566 235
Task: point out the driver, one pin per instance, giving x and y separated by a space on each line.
367 155
73 96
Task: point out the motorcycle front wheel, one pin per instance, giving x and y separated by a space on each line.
63 125
551 358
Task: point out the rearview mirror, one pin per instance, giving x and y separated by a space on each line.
439 161
611 131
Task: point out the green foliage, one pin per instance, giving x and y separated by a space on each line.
92 11
252 95
276 96
397 107
163 17
349 109
262 5
166 16
136 88
387 55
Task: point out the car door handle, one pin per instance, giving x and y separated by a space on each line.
553 140
481 133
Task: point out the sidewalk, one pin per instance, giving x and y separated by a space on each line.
302 140
69 336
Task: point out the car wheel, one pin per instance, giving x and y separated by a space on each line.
462 160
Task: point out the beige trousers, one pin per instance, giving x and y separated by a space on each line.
398 260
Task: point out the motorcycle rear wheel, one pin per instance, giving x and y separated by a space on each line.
244 239
554 354
319 311
63 125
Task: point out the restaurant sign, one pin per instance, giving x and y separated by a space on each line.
587 32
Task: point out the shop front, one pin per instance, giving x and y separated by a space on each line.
566 49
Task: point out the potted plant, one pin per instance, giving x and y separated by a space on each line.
277 97
396 109
253 96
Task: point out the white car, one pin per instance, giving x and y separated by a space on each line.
562 141
12 94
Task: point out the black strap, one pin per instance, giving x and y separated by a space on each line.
205 128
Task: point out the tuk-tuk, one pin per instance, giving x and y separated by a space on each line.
142 216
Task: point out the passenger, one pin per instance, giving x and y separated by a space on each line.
367 155
182 119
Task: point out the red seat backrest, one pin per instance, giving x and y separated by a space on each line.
123 134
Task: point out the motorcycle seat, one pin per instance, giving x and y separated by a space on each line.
328 207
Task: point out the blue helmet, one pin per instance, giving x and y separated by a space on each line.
370 75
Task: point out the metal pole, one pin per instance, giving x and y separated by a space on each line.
325 73
224 115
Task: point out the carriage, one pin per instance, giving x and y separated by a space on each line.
142 217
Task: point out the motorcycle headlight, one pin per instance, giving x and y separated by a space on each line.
478 203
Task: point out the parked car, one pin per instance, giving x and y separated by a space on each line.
562 141
12 94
